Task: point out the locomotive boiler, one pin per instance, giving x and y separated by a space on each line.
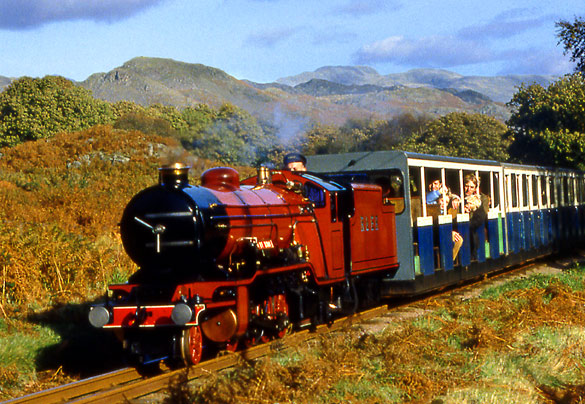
230 262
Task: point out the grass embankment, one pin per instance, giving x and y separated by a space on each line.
522 342
61 200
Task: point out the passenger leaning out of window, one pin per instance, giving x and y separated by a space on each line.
477 205
446 203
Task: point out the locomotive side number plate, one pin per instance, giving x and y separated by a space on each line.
369 223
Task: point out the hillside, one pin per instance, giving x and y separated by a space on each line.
152 80
4 82
331 97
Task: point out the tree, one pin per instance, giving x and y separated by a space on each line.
233 137
548 125
199 117
319 139
394 132
572 36
144 123
32 108
197 120
459 134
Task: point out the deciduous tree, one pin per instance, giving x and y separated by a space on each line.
459 134
548 124
572 36
234 136
32 108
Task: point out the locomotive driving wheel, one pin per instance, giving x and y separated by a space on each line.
279 311
231 345
191 345
273 310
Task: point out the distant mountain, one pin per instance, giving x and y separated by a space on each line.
347 75
386 102
329 95
498 88
153 80
5 82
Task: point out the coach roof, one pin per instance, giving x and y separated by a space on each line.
378 160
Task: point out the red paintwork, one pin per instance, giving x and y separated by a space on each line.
275 216
150 316
372 231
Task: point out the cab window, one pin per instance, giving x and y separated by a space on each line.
314 194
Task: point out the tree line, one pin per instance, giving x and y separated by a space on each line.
547 125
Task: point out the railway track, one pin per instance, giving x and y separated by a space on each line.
128 384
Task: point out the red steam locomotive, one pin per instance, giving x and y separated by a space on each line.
227 263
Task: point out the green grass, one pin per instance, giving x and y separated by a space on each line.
19 352
573 278
353 389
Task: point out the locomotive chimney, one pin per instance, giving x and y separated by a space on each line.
174 175
264 176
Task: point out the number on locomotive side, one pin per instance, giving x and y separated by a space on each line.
369 223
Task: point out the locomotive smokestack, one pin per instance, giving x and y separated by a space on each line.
174 175
264 176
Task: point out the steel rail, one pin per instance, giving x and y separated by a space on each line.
79 388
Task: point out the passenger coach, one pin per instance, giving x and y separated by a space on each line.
533 211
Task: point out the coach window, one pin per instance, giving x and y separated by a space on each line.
543 194
490 186
524 190
416 207
552 192
485 184
513 182
448 181
495 186
534 192
565 201
561 191
434 180
571 192
453 183
565 191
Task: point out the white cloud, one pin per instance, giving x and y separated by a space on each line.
333 35
271 38
366 7
532 61
27 14
449 52
499 28
433 51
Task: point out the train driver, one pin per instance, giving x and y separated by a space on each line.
295 162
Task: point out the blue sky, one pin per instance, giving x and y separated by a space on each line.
263 40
